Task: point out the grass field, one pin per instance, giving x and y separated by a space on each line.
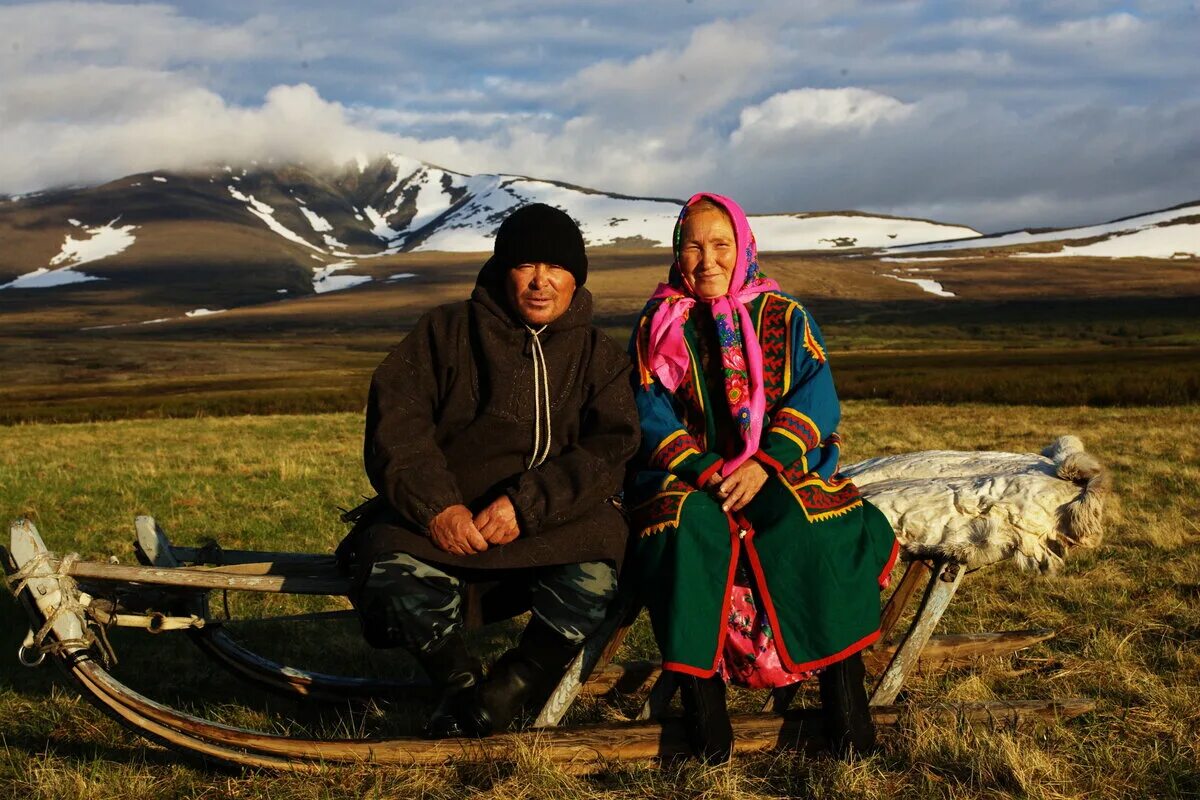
1128 615
1107 332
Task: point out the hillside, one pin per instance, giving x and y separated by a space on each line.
291 231
1170 233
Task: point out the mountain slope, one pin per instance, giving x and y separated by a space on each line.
289 216
1170 233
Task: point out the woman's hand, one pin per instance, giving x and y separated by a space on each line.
453 530
736 491
498 522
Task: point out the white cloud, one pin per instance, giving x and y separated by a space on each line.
185 128
991 112
147 35
798 112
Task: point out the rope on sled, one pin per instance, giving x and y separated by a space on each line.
68 603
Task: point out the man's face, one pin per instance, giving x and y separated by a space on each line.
540 293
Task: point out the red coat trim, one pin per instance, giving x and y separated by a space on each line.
784 657
687 669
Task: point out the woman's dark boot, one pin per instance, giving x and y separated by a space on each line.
456 672
706 718
524 673
848 722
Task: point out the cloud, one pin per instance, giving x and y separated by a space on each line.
186 128
149 35
788 117
990 112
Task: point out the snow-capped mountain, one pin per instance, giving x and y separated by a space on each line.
368 210
204 241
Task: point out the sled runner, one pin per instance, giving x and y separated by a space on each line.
953 512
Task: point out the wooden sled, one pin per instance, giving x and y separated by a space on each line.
69 624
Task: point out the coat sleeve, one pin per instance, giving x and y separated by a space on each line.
809 412
666 443
591 469
400 451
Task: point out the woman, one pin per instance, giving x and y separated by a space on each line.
759 564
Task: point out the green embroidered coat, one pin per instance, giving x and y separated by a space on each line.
818 553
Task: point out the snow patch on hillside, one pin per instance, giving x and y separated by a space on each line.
102 242
779 232
267 215
318 223
1168 241
204 312
324 279
379 225
432 198
43 278
1175 238
405 167
926 285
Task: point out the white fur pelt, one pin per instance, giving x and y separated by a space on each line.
979 508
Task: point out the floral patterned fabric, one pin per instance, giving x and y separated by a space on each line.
749 656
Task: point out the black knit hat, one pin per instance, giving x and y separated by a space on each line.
539 232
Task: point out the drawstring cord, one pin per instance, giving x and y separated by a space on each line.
541 391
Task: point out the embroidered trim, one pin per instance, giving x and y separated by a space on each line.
673 450
775 341
661 512
811 344
798 427
821 499
645 376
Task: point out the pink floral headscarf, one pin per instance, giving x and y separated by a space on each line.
741 356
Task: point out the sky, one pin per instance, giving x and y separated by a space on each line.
993 113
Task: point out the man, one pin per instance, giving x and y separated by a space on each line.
496 434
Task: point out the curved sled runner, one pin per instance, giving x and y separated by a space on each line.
1062 493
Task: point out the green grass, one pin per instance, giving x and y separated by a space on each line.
1128 615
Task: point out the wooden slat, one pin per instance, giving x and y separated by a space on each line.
204 578
916 572
935 602
221 557
957 649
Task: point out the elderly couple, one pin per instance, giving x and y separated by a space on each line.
501 430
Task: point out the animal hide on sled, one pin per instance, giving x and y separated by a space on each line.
978 508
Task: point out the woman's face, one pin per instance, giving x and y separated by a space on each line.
707 252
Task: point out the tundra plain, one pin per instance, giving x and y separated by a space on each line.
244 427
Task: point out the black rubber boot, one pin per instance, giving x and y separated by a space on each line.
706 718
524 673
848 722
456 672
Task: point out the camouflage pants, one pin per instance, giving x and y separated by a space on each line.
422 603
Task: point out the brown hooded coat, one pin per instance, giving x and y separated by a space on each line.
450 420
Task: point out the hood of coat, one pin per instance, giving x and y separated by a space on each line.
490 293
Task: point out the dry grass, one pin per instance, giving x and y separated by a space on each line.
1128 615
